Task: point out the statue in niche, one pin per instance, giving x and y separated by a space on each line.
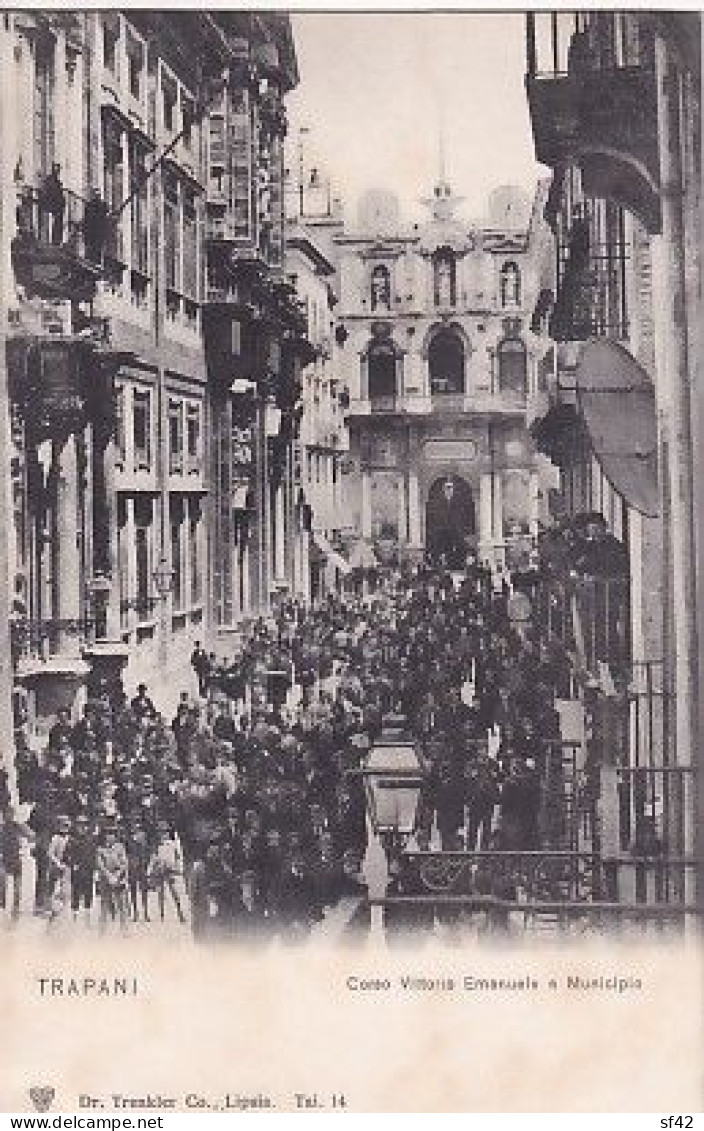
381 289
444 280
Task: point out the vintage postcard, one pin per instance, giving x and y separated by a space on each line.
351 428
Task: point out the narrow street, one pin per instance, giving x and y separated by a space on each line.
350 568
251 799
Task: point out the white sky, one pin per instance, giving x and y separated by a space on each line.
376 87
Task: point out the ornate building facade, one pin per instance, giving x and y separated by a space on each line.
151 346
320 450
437 356
616 114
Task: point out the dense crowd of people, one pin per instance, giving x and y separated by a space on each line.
248 807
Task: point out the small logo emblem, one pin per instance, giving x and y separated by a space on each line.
42 1098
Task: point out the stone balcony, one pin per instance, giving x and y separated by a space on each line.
595 105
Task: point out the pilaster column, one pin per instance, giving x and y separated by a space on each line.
534 503
130 561
246 568
305 567
673 372
486 521
498 506
366 514
280 525
68 561
10 118
363 378
290 522
415 536
105 548
402 511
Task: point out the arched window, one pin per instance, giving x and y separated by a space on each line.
446 363
444 277
510 285
381 371
513 366
381 288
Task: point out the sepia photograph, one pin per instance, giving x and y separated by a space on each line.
351 513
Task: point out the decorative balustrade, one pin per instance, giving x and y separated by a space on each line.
483 400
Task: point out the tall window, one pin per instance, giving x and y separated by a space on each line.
139 206
445 277
111 37
124 550
190 245
241 156
172 232
169 94
381 288
44 141
114 181
175 435
510 285
513 366
177 551
276 202
446 363
135 66
142 428
193 436
143 533
216 154
381 369
187 119
120 438
194 528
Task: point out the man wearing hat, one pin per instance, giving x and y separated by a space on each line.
112 873
80 857
12 832
58 872
138 857
141 704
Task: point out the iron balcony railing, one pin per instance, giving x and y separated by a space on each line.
569 43
592 98
591 298
68 221
527 891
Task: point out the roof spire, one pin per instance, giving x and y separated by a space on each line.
442 178
443 202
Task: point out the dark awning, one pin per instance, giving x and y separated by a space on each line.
616 399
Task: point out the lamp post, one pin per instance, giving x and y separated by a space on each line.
393 777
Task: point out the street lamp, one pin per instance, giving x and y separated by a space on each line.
393 776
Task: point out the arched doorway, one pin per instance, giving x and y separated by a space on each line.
446 363
450 521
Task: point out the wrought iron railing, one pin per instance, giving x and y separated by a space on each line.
535 890
571 43
506 916
41 637
65 221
